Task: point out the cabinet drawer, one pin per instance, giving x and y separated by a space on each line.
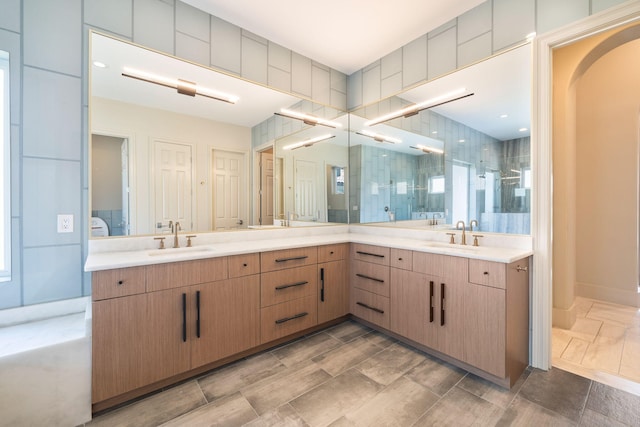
370 277
401 258
118 283
332 252
288 317
370 253
244 265
487 273
288 258
287 285
185 273
370 307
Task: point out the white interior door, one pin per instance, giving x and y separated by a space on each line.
306 190
228 198
266 188
173 185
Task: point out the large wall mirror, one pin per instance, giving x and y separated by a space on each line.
161 155
464 160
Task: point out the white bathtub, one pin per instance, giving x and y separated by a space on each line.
45 365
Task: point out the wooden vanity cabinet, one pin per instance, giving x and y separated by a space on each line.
496 328
369 283
333 289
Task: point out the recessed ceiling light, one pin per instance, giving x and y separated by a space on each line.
461 140
434 132
523 129
504 116
99 64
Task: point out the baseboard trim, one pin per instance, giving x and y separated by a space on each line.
602 293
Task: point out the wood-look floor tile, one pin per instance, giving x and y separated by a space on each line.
557 390
379 339
436 375
306 348
230 379
586 329
461 408
348 331
399 404
629 365
391 363
335 398
524 413
284 416
594 419
613 403
230 411
286 385
156 409
491 392
345 357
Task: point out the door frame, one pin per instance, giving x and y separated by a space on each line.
133 195
255 180
542 166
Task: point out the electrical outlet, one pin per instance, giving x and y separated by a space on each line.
65 223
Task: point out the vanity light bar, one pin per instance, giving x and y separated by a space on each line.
379 137
308 142
416 108
308 119
426 149
182 86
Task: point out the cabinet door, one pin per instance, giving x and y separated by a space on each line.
485 328
333 292
118 329
225 317
412 314
450 302
167 346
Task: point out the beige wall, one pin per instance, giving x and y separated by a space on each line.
608 100
106 175
569 65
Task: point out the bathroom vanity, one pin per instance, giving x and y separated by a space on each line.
160 317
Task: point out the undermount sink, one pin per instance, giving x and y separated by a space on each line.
177 251
452 246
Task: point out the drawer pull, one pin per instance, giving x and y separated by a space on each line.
377 310
431 301
184 317
441 304
198 314
290 285
120 282
295 258
244 265
370 254
296 316
486 273
364 276
519 268
322 284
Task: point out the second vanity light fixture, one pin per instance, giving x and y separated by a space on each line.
379 137
182 86
426 149
308 119
308 142
416 108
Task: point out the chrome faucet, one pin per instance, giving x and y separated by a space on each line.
464 237
176 243
473 221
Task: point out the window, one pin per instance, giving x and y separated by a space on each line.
5 158
526 178
436 184
338 180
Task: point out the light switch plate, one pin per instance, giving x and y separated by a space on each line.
65 223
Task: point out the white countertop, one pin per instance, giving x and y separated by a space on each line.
137 251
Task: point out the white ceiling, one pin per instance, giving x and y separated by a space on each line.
345 35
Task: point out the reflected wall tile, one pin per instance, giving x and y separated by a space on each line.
115 15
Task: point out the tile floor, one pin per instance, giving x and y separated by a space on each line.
349 375
603 344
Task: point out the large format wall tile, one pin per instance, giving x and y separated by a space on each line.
52 273
552 14
153 24
114 15
52 35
